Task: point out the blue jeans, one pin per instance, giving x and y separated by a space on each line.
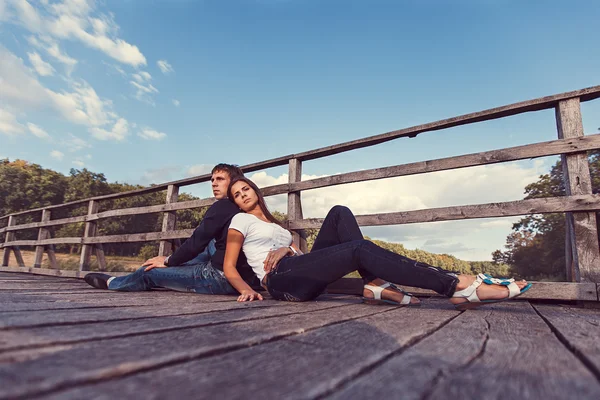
197 275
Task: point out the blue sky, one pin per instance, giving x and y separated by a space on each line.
149 91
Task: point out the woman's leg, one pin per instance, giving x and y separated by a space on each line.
339 227
305 277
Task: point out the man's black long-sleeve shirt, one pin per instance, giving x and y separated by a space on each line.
214 225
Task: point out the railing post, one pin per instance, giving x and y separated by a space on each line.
10 236
169 219
580 226
294 210
90 231
43 233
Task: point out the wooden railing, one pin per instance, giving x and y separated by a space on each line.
580 205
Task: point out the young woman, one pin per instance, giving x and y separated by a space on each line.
338 250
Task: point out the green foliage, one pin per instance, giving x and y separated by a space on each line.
25 186
536 247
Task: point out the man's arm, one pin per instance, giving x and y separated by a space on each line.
214 221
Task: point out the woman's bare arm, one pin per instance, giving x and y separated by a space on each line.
234 245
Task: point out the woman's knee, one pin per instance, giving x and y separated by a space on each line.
342 210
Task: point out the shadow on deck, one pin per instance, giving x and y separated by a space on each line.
62 339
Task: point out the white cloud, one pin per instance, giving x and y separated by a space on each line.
51 47
78 163
165 67
9 124
41 67
199 169
145 75
151 134
467 239
37 131
73 19
57 155
81 105
144 92
119 131
176 102
74 143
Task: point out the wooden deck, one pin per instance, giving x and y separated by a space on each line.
61 339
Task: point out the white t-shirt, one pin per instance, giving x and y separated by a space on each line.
259 238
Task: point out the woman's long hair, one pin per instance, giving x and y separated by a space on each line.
261 199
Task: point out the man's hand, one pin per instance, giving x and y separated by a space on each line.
249 295
274 257
154 262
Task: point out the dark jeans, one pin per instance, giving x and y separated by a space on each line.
340 249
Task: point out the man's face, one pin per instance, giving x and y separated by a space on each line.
220 182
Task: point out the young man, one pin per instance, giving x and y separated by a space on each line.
188 269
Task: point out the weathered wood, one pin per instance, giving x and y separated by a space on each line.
504 209
576 175
51 256
42 234
572 272
99 249
294 207
18 256
505 351
573 291
578 328
71 364
65 240
141 237
9 238
63 334
52 272
90 231
489 114
46 224
312 362
169 221
529 151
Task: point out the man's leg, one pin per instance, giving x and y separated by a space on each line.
199 278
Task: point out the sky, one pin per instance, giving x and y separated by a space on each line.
148 91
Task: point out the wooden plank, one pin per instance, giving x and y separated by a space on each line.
576 175
51 256
57 335
578 328
42 234
314 358
570 291
499 352
486 115
489 114
294 207
90 231
529 151
71 364
65 240
140 237
18 256
169 221
9 238
169 207
46 224
53 272
504 209
99 250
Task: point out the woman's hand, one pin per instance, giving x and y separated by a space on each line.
274 257
249 295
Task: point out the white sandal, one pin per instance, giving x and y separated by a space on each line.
377 290
473 301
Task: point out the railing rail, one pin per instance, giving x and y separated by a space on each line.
582 252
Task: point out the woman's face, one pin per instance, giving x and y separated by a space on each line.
244 196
